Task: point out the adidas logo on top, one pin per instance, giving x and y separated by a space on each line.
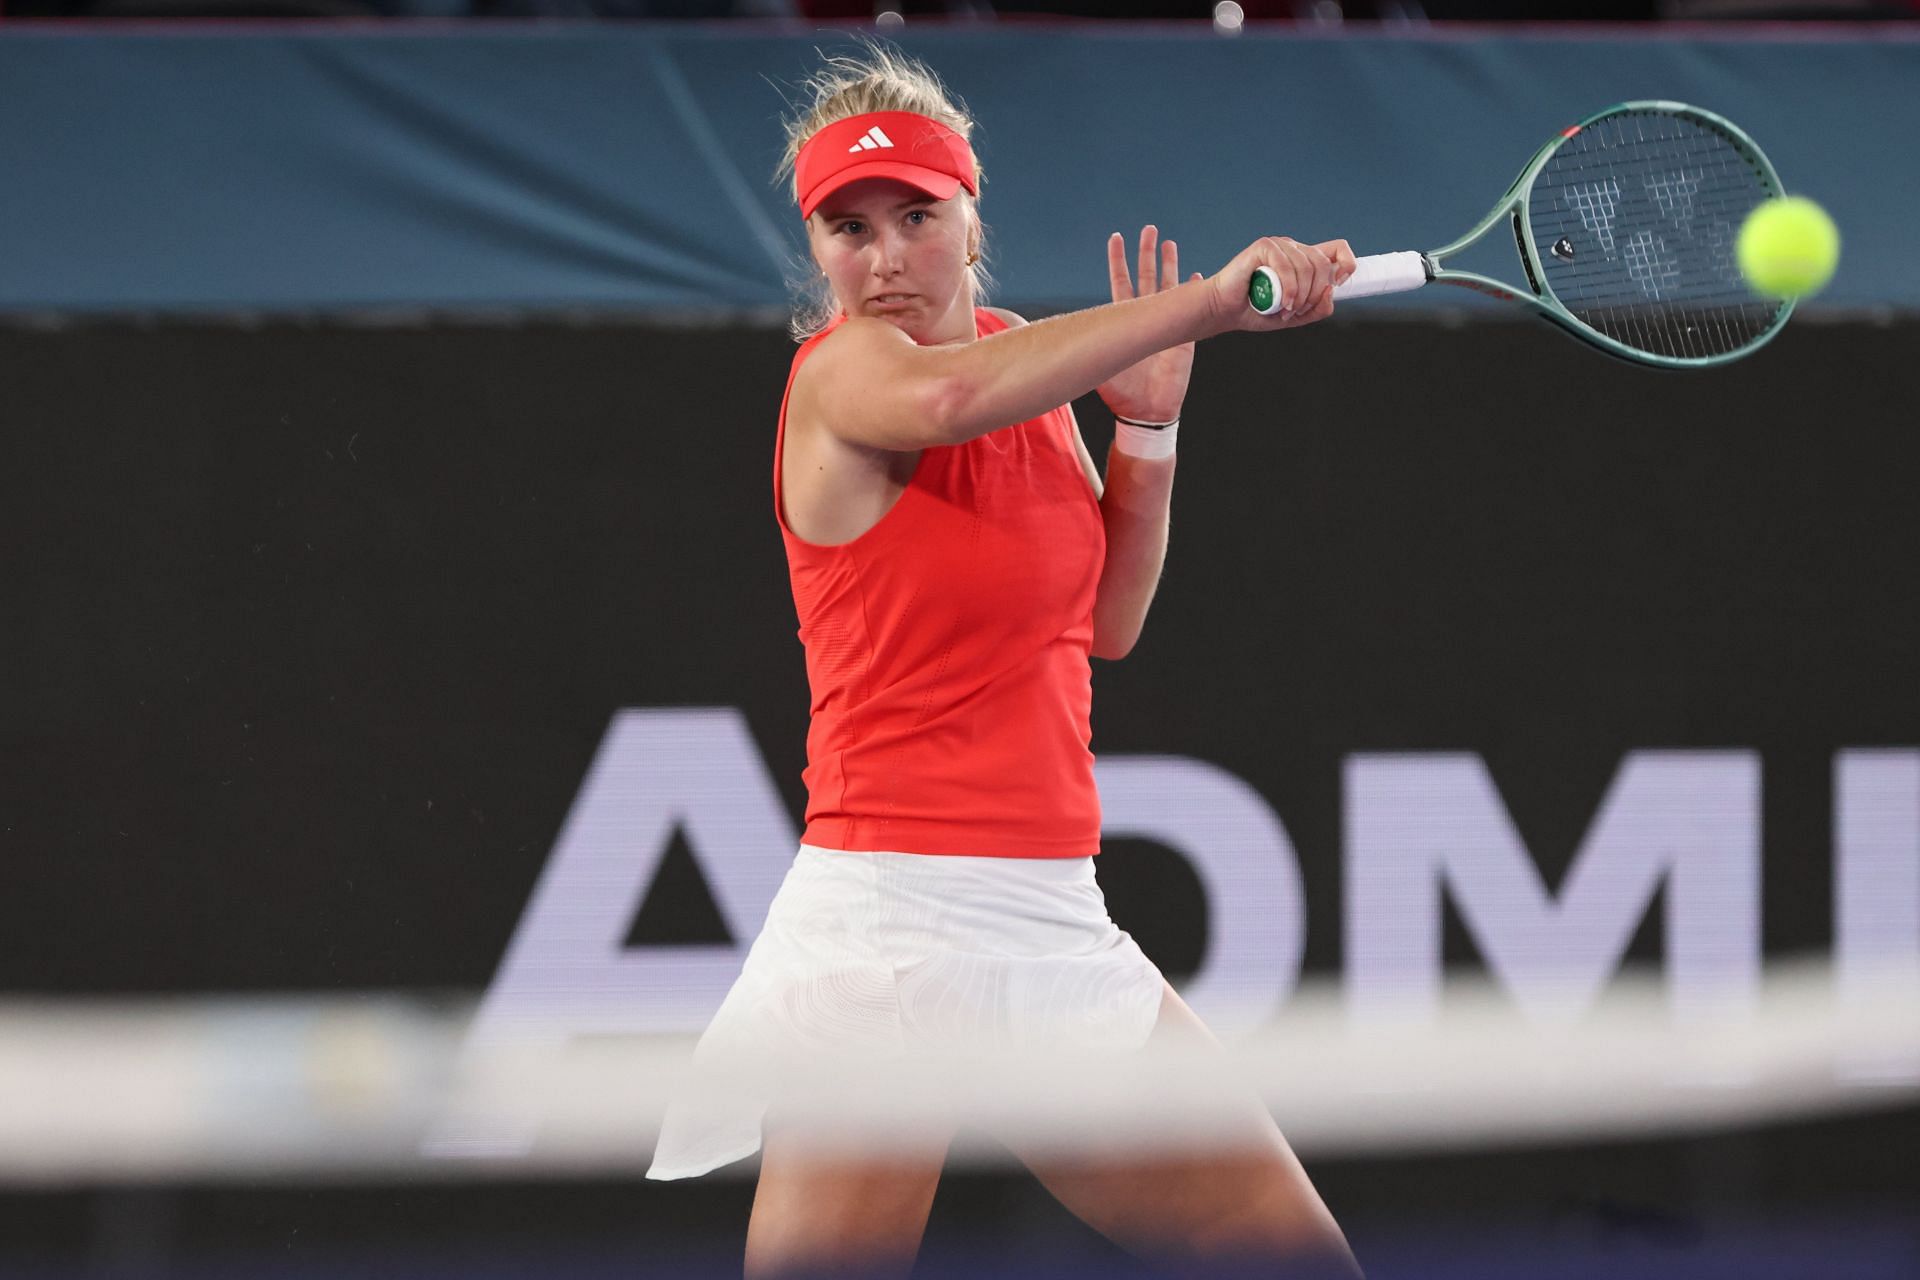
872 139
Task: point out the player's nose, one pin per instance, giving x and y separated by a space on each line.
886 255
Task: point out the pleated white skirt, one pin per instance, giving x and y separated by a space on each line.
867 956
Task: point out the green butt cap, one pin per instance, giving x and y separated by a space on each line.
1260 292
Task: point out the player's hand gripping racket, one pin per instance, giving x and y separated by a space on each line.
1625 225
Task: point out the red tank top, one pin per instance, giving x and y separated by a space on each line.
947 652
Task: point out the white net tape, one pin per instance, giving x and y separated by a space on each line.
357 1086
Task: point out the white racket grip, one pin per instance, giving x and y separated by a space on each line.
1383 273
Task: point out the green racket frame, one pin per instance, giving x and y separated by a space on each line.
1513 209
1513 206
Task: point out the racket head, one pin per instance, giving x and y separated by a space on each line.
1626 225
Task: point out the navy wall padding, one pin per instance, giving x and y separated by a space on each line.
628 167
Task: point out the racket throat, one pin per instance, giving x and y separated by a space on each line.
1526 254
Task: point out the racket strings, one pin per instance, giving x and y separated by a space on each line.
1635 219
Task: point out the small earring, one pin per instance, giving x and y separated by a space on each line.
972 258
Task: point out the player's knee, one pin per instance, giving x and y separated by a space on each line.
818 1214
832 1240
1277 1223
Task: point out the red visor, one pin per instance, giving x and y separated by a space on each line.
909 148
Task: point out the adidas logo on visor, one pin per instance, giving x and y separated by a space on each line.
873 139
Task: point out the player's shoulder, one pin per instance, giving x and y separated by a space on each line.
1006 317
845 355
850 339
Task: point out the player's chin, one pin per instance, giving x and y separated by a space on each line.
911 325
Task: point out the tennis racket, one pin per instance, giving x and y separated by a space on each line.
1625 225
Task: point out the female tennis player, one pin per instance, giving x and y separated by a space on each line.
956 558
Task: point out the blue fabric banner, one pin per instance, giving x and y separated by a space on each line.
629 168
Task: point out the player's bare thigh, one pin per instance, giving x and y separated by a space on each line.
822 1209
1250 1198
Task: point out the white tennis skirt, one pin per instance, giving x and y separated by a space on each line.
871 955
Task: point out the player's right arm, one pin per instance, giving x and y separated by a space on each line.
870 384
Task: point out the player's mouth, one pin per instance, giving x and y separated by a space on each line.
891 301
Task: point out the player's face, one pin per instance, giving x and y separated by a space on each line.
899 255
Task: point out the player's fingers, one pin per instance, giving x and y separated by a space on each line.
1307 283
1327 281
1117 277
1149 242
1169 264
1318 304
1320 286
1341 255
1319 311
1285 268
1316 275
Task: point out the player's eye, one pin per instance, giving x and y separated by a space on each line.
852 228
918 216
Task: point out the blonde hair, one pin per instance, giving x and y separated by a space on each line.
877 78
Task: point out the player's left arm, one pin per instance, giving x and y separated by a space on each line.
1134 500
1134 503
1138 491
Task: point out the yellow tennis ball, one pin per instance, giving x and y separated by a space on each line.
1788 247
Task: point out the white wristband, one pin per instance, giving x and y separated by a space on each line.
1145 442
